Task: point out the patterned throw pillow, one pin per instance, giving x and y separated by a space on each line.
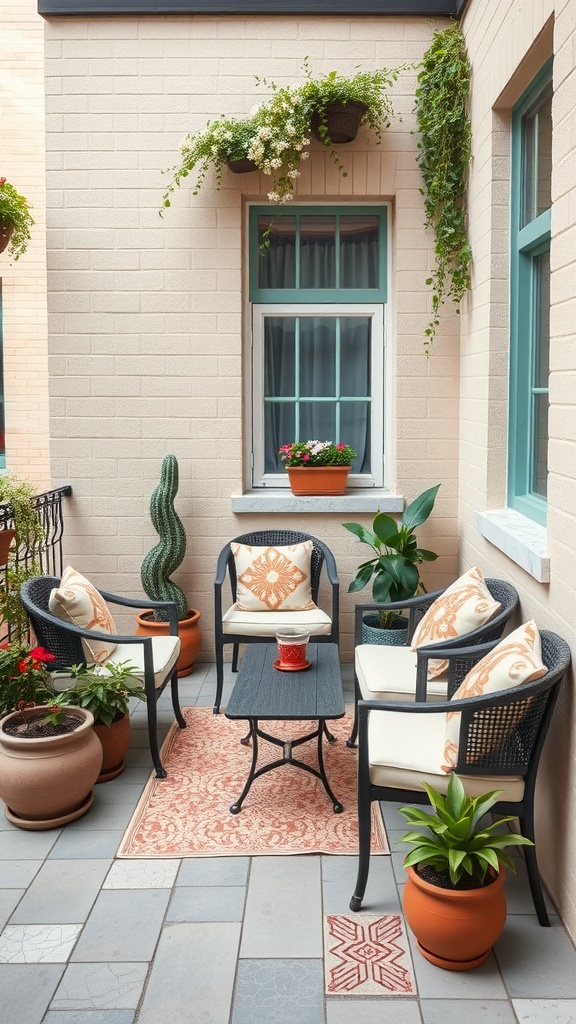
517 659
77 601
273 578
464 606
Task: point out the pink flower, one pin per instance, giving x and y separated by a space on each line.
305 457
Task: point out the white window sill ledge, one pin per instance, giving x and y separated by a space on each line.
524 541
270 499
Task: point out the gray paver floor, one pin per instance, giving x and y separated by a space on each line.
85 939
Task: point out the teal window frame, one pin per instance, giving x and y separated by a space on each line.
526 243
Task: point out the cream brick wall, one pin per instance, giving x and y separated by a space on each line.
24 313
507 44
146 315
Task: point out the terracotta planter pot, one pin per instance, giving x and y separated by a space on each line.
114 740
342 122
6 538
6 232
241 166
455 928
188 631
318 479
47 782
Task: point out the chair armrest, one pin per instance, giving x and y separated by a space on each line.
92 634
133 602
331 570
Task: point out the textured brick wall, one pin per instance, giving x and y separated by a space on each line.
148 350
24 282
508 43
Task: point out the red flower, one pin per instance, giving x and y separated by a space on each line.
41 654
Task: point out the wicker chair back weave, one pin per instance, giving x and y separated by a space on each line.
65 646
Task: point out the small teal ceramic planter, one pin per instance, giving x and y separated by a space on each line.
372 632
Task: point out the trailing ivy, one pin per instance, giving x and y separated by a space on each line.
444 157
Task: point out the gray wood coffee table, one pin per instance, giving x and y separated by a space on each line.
264 693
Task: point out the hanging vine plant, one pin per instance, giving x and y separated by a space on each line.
444 158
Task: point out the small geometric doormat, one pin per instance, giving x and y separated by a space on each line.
287 811
367 956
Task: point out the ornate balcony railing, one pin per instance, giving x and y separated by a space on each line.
46 552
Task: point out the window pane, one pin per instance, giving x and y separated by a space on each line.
542 319
279 429
277 251
540 454
317 252
279 356
355 346
355 430
537 158
317 376
318 421
359 252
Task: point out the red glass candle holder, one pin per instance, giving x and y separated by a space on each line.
292 647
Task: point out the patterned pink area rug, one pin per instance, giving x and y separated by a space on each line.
367 956
287 811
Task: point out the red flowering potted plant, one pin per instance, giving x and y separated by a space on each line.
49 755
317 467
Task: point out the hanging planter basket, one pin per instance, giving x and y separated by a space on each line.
6 232
342 122
241 166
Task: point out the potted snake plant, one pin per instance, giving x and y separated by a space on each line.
159 564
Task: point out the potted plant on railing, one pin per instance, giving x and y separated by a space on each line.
49 756
159 564
15 220
105 691
454 899
394 569
19 549
317 467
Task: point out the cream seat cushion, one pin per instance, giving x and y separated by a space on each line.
406 750
77 601
165 651
389 673
268 623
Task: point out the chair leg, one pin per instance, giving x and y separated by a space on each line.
176 699
235 651
161 772
527 829
219 678
364 839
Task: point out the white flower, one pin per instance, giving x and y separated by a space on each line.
274 197
305 156
294 173
276 162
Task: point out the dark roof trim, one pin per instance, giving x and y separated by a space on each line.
427 8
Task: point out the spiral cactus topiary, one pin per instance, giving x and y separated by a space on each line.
168 554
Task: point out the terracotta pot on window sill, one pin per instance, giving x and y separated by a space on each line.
318 479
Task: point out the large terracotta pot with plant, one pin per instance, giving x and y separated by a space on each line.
394 569
161 562
454 899
49 760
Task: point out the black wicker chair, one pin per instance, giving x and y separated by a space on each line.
321 557
500 741
415 608
64 641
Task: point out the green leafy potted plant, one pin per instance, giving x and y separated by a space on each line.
444 157
49 756
21 555
394 570
317 467
105 691
15 220
453 899
159 564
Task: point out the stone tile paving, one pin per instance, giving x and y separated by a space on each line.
85 939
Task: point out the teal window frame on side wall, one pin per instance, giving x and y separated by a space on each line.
530 234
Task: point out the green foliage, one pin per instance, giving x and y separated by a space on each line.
29 536
367 88
452 838
15 209
396 577
316 453
106 694
444 158
164 559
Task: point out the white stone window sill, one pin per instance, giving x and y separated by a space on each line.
361 499
524 541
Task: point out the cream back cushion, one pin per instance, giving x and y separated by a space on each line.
77 601
517 659
273 578
464 606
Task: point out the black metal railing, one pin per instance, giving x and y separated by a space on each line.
45 550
